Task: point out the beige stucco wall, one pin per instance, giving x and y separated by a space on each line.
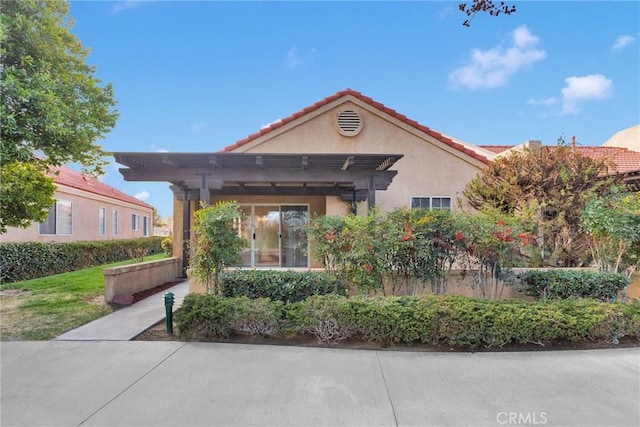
85 215
428 168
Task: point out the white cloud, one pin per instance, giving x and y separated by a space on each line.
143 195
295 60
120 6
622 42
493 68
544 102
581 89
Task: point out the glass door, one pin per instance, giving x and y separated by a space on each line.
245 229
277 236
266 238
294 236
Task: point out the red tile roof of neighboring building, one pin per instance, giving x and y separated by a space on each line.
70 178
626 160
446 140
496 148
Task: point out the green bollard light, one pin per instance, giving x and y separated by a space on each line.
168 304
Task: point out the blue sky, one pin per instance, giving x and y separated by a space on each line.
197 76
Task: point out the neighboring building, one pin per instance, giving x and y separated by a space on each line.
344 153
627 138
87 209
623 162
166 229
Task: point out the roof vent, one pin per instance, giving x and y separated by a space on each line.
348 123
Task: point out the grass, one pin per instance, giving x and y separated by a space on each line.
43 308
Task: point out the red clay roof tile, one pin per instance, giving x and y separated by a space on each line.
625 160
70 178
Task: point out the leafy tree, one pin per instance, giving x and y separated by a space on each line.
157 219
612 224
484 6
216 244
16 180
547 187
53 109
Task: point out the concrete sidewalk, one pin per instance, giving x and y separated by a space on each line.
141 383
126 323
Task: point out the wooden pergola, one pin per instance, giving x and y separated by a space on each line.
198 176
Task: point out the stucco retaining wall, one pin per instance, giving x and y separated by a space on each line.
126 280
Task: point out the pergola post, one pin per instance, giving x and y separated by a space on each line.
186 231
371 196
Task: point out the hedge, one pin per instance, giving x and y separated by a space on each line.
447 320
23 261
279 285
561 284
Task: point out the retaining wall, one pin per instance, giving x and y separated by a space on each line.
120 283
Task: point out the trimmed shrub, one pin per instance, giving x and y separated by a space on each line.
23 261
562 284
321 316
167 246
209 316
448 320
286 286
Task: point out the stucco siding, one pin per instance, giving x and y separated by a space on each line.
85 220
428 168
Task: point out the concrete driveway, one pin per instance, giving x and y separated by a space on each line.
139 383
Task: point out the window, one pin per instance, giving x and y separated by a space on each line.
49 226
102 221
432 203
114 223
135 222
146 225
60 220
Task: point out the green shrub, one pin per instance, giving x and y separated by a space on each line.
286 286
209 315
448 320
562 284
321 316
205 315
167 246
23 261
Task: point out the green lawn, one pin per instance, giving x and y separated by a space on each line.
41 309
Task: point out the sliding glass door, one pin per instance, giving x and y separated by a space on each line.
276 234
293 220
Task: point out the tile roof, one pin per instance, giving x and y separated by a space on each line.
70 178
496 148
440 137
626 160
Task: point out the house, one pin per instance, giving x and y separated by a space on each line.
87 209
345 153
